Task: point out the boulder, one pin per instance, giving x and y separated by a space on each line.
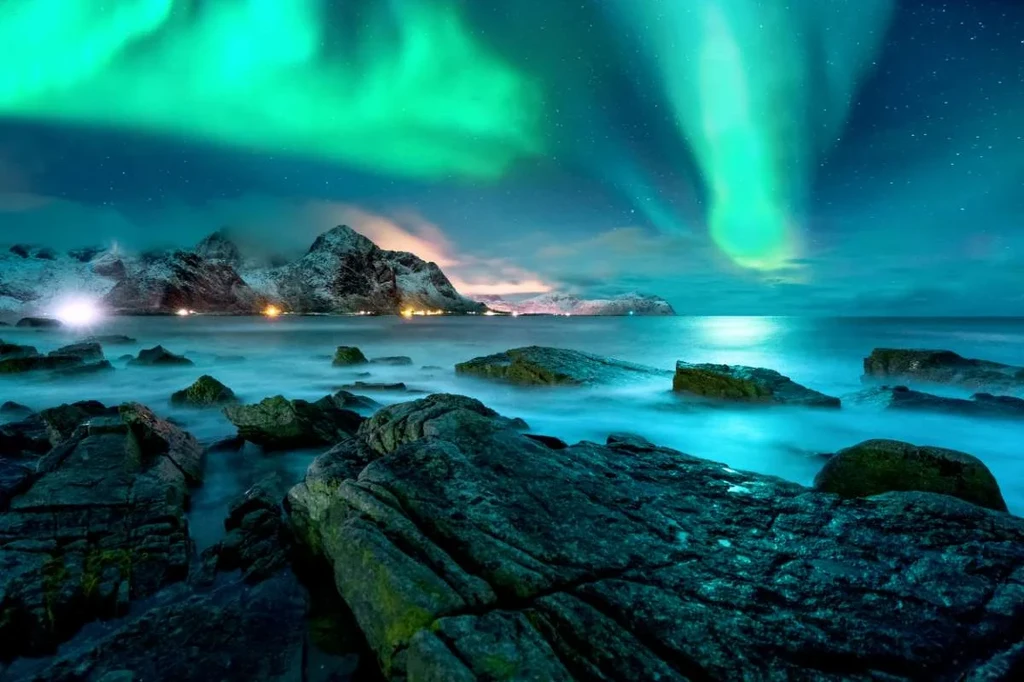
393 360
35 363
204 392
880 466
257 536
61 421
346 356
14 350
277 423
541 366
357 403
941 367
158 356
39 323
102 524
979 405
468 551
737 383
86 352
13 409
110 340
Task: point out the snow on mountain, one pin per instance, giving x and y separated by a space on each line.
342 272
568 304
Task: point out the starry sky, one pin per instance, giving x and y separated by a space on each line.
807 157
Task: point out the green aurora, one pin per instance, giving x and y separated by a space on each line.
757 108
414 90
415 94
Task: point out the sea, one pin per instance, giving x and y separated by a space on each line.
291 356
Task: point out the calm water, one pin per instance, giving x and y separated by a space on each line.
291 356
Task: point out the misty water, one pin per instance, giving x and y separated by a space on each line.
260 357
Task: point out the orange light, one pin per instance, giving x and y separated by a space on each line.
271 311
408 312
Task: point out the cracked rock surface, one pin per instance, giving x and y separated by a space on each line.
468 551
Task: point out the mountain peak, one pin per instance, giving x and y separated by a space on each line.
342 238
220 246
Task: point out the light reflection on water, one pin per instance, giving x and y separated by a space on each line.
291 356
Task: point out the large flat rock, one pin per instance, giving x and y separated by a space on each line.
542 366
468 551
942 367
983 405
742 384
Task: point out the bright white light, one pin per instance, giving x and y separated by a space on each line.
182 312
78 313
737 331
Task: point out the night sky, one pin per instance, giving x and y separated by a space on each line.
823 157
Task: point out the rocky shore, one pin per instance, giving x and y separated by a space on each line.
436 539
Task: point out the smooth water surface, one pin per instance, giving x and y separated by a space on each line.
260 357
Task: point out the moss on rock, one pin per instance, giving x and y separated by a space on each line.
346 356
205 392
712 384
880 466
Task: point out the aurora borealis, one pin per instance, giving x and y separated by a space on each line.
763 151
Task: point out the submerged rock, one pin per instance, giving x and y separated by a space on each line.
277 423
204 392
110 340
745 384
542 366
40 323
102 525
396 386
14 350
346 356
86 352
941 367
880 466
393 360
468 551
979 405
158 356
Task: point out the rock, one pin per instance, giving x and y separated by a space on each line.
979 405
61 421
357 403
13 409
35 363
346 356
541 366
86 352
880 466
374 386
39 323
280 424
110 340
233 444
125 358
393 360
257 539
90 368
158 356
22 444
204 392
549 441
745 384
14 350
102 525
941 367
468 551
233 631
431 368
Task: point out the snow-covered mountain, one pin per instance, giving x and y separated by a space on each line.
568 304
342 272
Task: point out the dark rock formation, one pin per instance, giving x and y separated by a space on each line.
346 356
941 367
110 340
39 323
102 524
14 350
220 247
393 360
61 421
979 405
358 403
87 352
15 359
204 392
880 466
13 409
183 279
344 271
397 386
278 424
468 551
540 366
158 356
737 383
257 537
